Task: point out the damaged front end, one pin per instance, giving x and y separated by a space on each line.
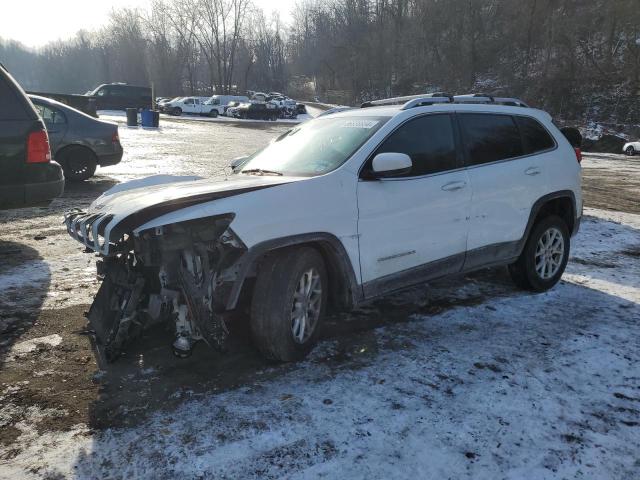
180 274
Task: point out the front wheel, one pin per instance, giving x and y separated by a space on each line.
288 303
545 256
213 113
630 151
176 111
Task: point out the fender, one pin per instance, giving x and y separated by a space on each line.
348 295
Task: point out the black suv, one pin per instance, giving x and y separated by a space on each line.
258 111
119 96
29 177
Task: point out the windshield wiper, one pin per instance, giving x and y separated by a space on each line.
261 171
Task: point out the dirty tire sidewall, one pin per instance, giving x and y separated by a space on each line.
523 271
631 151
278 277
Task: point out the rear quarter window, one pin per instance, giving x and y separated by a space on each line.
535 138
490 137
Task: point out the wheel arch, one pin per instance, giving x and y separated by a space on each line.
561 203
74 146
344 293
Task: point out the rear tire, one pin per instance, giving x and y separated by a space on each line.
544 257
78 163
288 303
630 151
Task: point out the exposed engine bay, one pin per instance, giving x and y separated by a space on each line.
179 274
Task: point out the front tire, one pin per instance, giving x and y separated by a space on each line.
176 112
630 151
213 113
288 303
545 256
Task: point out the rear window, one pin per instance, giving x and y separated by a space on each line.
535 137
490 138
11 107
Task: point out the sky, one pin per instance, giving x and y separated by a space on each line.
37 22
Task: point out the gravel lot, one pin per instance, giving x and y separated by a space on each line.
467 378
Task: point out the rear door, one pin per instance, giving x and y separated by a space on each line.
506 178
55 121
415 225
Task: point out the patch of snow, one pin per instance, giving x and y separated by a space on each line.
28 346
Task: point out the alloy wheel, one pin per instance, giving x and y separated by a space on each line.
307 303
549 253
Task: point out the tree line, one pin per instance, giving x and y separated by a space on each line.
579 59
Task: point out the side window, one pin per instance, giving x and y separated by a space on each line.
188 101
428 140
489 138
50 115
535 137
103 92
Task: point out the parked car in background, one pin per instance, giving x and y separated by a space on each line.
256 111
631 148
28 176
162 104
231 107
120 96
79 143
191 105
218 104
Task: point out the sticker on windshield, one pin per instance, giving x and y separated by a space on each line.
360 123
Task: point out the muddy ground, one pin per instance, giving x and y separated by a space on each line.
47 284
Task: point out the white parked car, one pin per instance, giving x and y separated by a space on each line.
219 103
335 212
631 148
192 105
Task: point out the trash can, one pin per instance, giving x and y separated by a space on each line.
150 118
132 117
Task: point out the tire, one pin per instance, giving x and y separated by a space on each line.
243 115
630 151
524 272
177 111
273 325
213 113
78 163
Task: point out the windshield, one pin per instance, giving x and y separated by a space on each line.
315 147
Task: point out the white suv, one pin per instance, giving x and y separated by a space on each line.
335 212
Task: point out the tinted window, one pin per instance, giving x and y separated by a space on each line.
535 137
428 140
490 138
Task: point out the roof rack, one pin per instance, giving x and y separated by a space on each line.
412 101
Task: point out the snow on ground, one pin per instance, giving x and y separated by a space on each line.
517 386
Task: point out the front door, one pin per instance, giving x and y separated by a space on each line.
414 227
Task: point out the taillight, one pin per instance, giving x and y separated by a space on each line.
115 138
38 147
578 154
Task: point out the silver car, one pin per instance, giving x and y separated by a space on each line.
78 141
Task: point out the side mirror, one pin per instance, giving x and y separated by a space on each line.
237 162
391 164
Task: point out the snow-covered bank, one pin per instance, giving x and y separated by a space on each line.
509 385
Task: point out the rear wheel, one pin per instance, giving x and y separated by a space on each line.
288 303
545 255
630 151
78 163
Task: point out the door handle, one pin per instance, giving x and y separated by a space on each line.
453 186
532 171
